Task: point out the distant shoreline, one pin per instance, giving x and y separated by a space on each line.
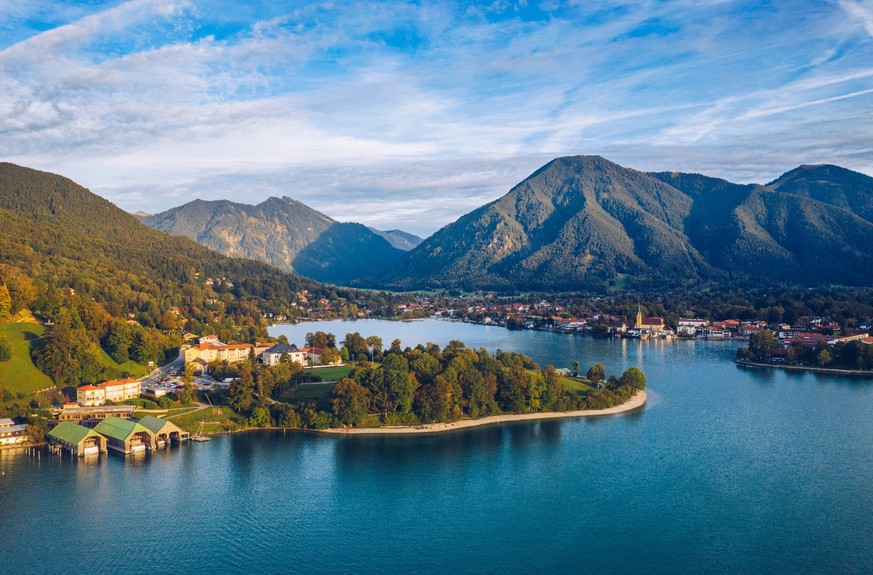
636 402
831 370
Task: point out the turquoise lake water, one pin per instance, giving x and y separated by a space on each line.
727 470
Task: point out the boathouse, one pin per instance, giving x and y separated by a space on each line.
126 436
165 431
78 440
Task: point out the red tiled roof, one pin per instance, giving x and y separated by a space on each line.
116 382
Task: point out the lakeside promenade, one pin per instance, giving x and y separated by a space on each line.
636 402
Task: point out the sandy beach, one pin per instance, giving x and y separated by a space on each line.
635 402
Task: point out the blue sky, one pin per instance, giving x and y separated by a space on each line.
410 114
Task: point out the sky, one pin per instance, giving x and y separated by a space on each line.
409 114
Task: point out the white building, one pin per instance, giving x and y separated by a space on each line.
115 391
274 355
12 434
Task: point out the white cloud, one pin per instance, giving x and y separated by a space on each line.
431 110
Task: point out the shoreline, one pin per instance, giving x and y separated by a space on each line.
634 403
830 370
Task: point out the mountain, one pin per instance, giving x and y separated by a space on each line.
831 185
284 233
585 222
64 235
399 239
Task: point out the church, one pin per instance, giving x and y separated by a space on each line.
648 324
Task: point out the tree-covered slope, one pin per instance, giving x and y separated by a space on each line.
585 222
576 222
284 233
831 185
66 236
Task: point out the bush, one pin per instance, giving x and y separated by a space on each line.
5 348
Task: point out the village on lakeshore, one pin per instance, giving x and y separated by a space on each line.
109 416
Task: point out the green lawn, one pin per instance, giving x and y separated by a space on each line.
224 420
576 385
133 369
19 375
334 373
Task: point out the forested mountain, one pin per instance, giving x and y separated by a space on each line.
585 222
61 234
284 233
831 185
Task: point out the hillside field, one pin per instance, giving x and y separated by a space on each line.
19 375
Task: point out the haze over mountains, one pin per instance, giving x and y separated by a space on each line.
287 234
585 222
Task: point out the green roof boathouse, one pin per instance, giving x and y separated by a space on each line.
78 440
126 436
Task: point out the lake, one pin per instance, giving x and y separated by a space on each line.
727 470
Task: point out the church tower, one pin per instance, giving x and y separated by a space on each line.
639 317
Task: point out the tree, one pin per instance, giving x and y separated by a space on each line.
357 346
575 368
187 395
5 302
824 358
374 342
330 356
260 417
119 340
351 401
241 390
188 377
395 346
596 373
634 378
763 344
5 348
513 389
321 339
282 339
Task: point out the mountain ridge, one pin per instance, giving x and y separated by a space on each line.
586 222
282 232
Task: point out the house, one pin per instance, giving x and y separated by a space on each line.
690 325
114 390
126 436
165 431
90 395
12 434
274 355
90 416
120 389
313 354
218 351
78 440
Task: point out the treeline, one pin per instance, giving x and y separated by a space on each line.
850 307
765 346
424 385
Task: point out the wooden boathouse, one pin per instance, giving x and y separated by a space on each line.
166 432
126 436
78 440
